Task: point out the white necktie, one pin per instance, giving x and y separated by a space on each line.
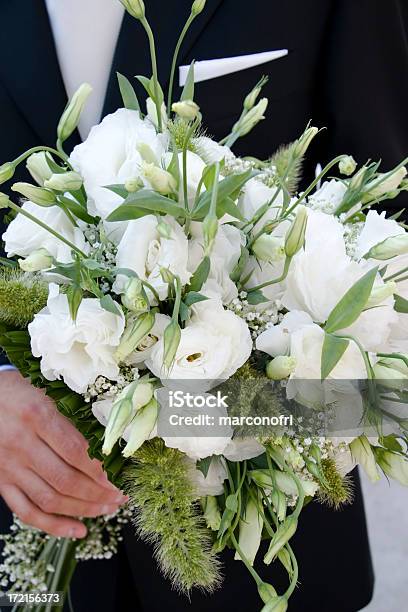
85 34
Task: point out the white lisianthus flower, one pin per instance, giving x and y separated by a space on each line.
77 351
376 229
145 348
212 484
276 339
243 449
322 272
145 250
211 152
329 197
224 256
213 345
110 155
254 195
398 340
23 236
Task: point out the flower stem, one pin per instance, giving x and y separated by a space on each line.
23 212
152 45
274 280
175 57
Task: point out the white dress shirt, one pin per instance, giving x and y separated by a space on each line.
85 34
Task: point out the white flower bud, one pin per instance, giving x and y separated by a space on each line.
164 230
38 195
186 109
211 512
389 248
395 466
37 165
6 172
129 401
380 293
141 427
71 115
397 364
134 333
364 456
305 141
135 298
38 260
160 180
152 113
347 165
357 180
66 181
4 201
198 7
378 187
136 8
389 377
280 367
171 339
295 237
268 248
250 531
134 184
252 118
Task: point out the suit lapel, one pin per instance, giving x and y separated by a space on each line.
29 66
132 54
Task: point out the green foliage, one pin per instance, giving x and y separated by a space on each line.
287 164
21 296
339 489
333 350
168 516
16 344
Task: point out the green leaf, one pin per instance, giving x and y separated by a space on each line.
184 312
193 297
146 84
239 268
188 89
128 94
203 465
391 443
76 209
8 263
333 350
174 167
200 275
125 272
232 503
145 202
118 189
229 207
256 297
228 186
401 304
226 521
352 304
110 305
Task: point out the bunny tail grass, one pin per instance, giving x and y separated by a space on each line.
22 295
339 489
281 160
167 515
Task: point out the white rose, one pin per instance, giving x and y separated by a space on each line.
110 155
77 351
144 250
212 347
23 236
212 484
329 197
224 257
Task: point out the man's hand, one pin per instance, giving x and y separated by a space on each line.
46 475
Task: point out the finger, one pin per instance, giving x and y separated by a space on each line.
67 480
51 501
28 513
72 447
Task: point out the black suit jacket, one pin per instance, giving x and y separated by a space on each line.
347 69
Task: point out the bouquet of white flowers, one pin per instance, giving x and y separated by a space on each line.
229 347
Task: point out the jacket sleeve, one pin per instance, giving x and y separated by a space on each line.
362 95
